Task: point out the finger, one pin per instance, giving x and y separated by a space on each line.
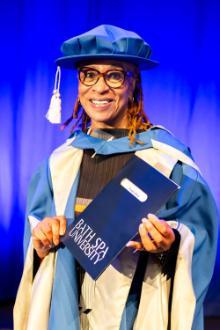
147 243
41 246
160 225
62 220
38 235
41 250
167 242
153 233
55 231
134 244
46 228
163 242
167 236
37 243
38 246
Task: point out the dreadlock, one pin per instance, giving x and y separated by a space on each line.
82 120
137 119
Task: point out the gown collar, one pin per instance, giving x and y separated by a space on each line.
100 146
82 140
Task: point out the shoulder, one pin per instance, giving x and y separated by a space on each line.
168 144
163 135
40 179
64 146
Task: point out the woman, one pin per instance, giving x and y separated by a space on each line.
142 290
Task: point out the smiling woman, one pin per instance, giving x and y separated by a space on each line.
141 290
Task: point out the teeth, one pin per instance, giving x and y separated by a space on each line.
100 102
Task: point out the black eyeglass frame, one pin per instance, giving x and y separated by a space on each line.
100 74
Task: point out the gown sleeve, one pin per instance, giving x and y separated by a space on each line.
39 201
194 206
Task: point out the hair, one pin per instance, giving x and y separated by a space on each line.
137 119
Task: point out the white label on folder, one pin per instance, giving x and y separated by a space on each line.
134 190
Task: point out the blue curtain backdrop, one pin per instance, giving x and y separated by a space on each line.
182 94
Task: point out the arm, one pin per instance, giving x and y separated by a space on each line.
44 228
193 206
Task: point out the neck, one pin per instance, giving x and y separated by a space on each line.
99 125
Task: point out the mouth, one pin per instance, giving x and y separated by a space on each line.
101 102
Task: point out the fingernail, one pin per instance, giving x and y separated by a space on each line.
141 226
144 220
129 244
152 216
147 223
62 232
164 232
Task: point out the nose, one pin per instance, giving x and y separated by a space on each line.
101 86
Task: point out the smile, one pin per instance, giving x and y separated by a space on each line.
100 103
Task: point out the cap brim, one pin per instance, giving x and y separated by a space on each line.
70 62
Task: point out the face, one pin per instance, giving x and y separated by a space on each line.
105 105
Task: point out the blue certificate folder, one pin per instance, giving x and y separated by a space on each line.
100 232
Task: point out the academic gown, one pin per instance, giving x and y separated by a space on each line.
192 206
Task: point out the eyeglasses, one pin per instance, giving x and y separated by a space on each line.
113 78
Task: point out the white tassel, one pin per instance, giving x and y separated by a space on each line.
54 111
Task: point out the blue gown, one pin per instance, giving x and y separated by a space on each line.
192 205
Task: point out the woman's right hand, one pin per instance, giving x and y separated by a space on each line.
46 234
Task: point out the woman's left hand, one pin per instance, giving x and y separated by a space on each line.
156 235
